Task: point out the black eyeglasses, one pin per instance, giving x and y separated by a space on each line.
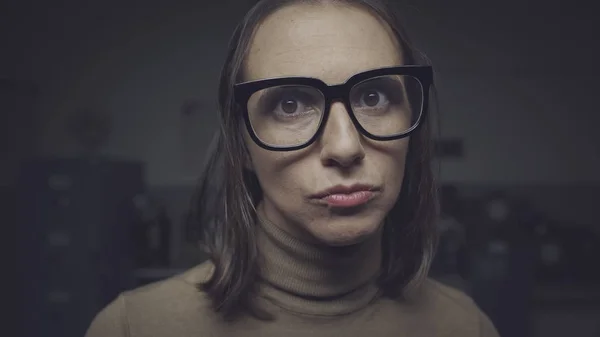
285 114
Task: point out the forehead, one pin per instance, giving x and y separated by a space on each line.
329 42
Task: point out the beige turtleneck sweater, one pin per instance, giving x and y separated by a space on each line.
313 291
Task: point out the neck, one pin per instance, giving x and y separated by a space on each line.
314 278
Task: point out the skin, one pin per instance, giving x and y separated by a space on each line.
329 42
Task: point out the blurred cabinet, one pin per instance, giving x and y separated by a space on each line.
74 251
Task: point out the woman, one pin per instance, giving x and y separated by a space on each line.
323 225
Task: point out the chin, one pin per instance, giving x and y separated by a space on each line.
346 232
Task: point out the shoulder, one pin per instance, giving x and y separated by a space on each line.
444 296
161 308
171 289
452 311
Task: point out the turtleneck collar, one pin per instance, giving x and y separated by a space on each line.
317 280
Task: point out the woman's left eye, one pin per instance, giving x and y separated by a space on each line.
373 98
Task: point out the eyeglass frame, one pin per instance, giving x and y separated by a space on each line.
338 92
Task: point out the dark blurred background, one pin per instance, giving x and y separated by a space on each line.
108 107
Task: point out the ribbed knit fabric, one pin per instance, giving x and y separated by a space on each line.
312 279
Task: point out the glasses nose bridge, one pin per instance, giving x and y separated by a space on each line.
337 93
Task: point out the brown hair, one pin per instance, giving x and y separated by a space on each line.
224 205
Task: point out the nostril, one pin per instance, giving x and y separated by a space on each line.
330 159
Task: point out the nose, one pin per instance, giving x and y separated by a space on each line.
340 142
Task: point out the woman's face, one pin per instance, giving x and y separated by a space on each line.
330 43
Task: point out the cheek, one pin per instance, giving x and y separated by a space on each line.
392 162
272 170
258 160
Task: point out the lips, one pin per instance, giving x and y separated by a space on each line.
346 196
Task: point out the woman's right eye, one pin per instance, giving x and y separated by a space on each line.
290 104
